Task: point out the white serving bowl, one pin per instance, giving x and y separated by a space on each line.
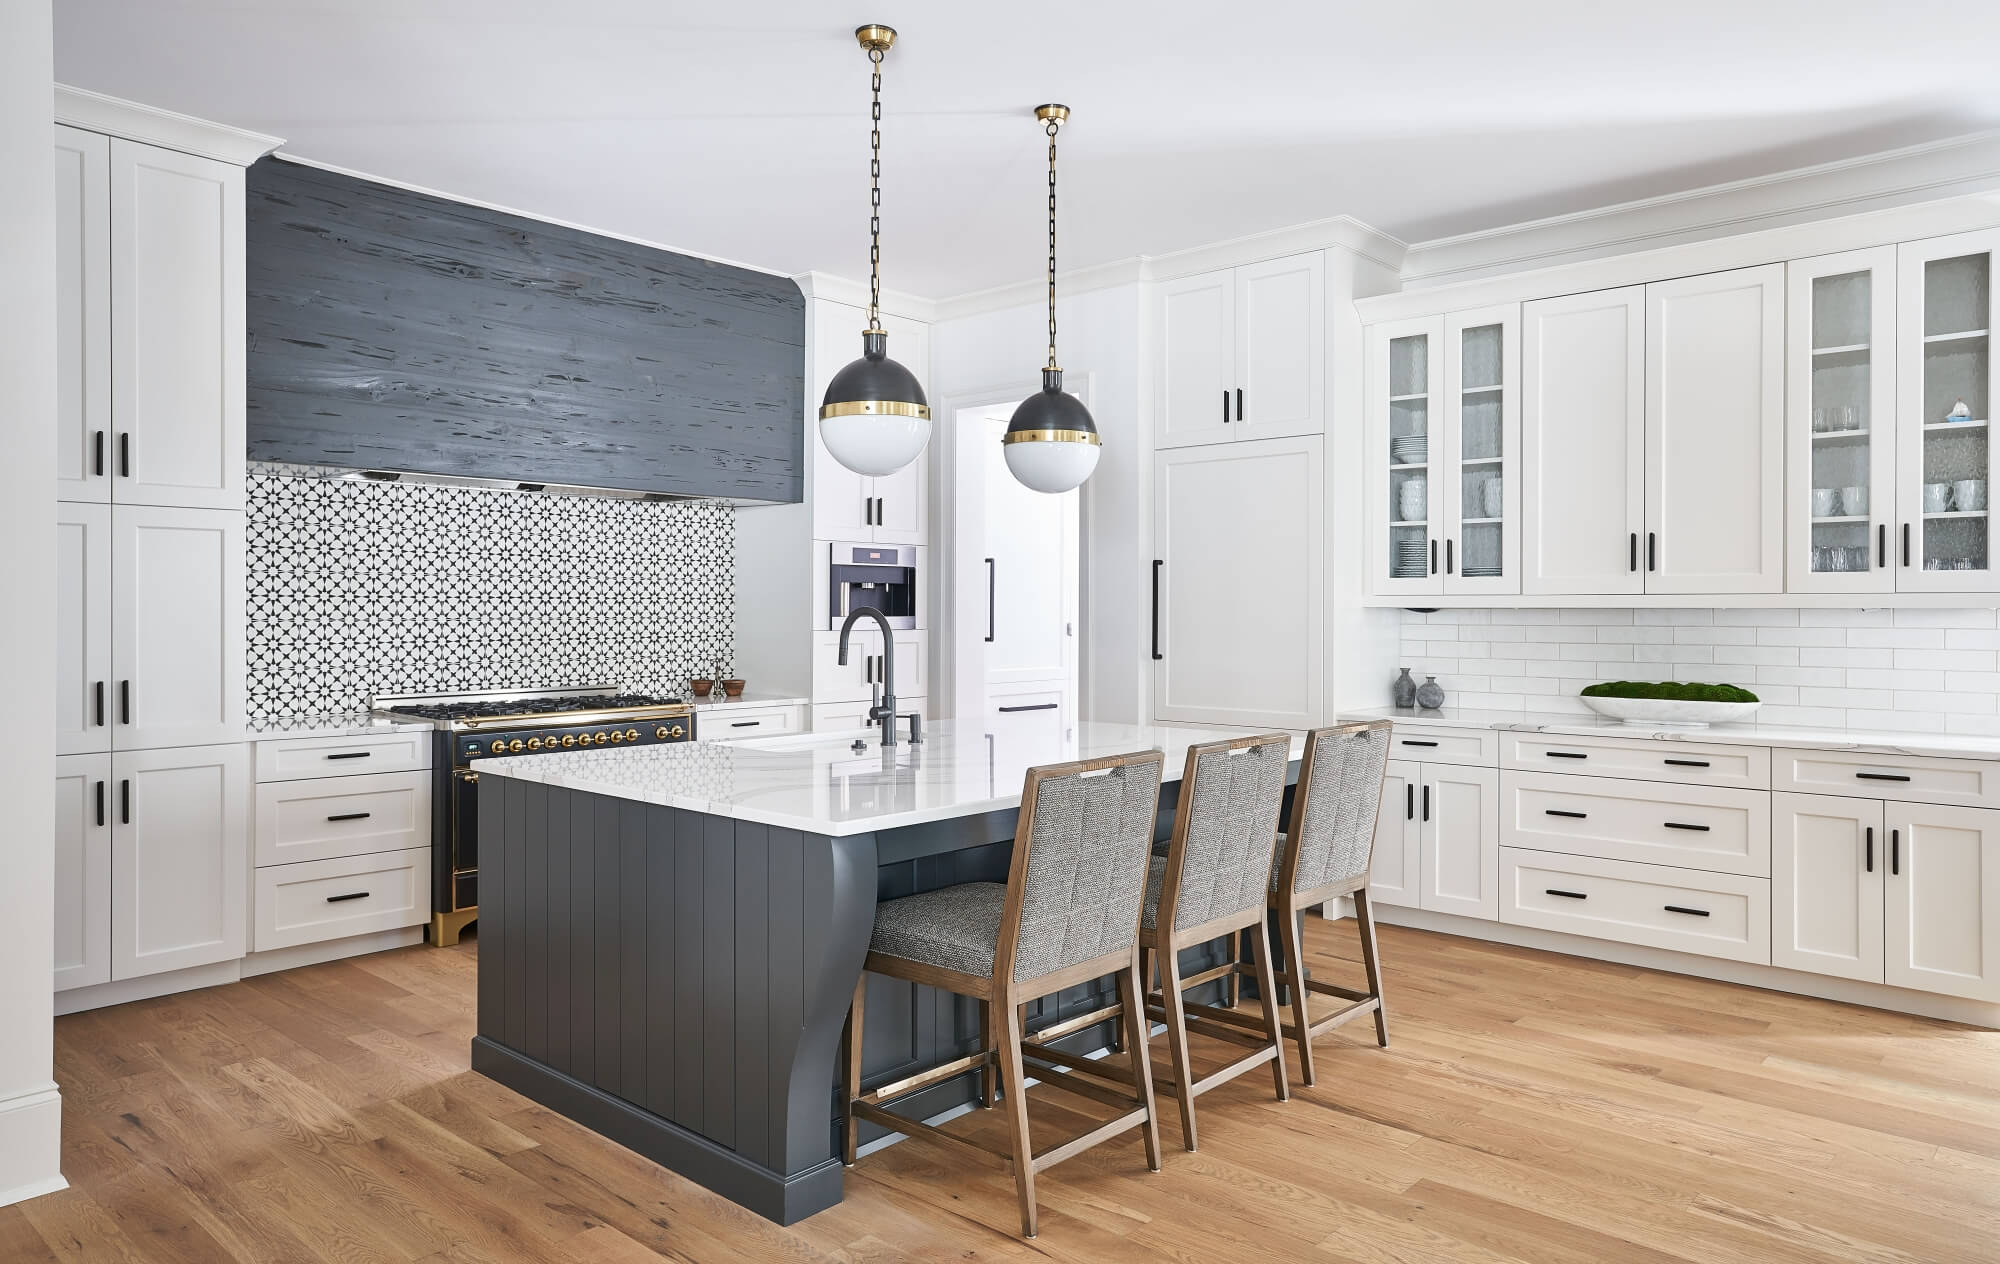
1665 713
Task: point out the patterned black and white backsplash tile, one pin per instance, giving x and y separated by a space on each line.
359 589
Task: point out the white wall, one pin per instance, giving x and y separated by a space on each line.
1933 671
30 1110
1100 333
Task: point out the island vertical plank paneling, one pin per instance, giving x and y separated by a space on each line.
396 330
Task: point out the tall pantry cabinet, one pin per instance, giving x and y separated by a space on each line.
153 769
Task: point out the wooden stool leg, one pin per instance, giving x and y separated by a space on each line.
1364 918
1274 1024
1014 1090
986 1046
1146 975
1177 1042
1295 980
1132 995
854 1019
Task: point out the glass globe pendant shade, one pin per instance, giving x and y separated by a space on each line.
875 419
1051 442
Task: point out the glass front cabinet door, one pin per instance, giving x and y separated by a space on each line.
1840 422
1445 429
1945 316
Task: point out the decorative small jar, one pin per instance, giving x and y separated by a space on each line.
1430 694
1404 690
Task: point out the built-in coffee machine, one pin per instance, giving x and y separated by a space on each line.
880 575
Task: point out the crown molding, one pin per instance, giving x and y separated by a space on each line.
839 289
95 112
1852 186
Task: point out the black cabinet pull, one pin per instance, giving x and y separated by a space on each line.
1239 403
1652 551
97 452
1896 853
1447 555
1434 557
1409 802
1906 544
350 816
125 801
1882 776
1577 816
1157 564
881 510
124 702
1411 741
745 724
1225 405
1565 754
1687 763
1869 848
990 588
1633 564
97 703
1681 825
868 511
1691 912
351 895
100 803
1427 803
1039 706
1567 895
125 454
1881 544
350 754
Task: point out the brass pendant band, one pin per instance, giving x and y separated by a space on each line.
875 408
1051 436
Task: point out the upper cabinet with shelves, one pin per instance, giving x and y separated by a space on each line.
1944 461
1242 353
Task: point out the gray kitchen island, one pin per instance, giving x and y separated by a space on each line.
670 935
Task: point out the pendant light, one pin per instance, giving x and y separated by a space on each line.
1051 443
875 419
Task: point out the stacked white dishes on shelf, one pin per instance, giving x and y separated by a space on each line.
1409 449
1410 562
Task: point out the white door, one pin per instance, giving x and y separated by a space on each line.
1394 874
83 871
1840 428
1281 348
1715 433
180 853
83 314
1197 375
1943 900
83 628
177 626
1458 830
1239 544
1946 310
177 329
1406 448
1829 857
1480 475
1030 577
1583 430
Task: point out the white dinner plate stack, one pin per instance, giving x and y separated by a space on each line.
1410 562
1409 449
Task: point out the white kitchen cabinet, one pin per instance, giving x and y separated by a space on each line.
1394 875
83 628
1715 432
83 871
1406 446
1943 900
1840 422
177 332
83 315
1946 310
1458 831
1829 860
1028 719
180 858
1685 910
1583 442
862 675
176 626
1239 539
313 901
1242 353
850 506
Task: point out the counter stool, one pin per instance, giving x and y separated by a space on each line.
1324 852
1069 913
1212 882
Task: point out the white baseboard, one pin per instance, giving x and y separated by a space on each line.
31 1145
332 950
1771 978
122 991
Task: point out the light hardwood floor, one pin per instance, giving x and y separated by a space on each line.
1531 1107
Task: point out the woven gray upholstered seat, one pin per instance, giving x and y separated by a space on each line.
1338 837
953 928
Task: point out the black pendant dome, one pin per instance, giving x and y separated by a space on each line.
874 385
1051 415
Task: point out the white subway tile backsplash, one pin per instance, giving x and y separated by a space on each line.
1908 670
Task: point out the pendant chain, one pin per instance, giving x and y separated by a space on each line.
1054 125
875 196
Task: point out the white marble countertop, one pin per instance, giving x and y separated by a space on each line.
356 724
1570 724
750 698
817 783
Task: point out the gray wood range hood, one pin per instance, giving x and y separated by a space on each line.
406 334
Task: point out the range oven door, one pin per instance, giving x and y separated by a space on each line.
461 873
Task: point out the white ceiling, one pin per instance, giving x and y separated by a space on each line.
740 130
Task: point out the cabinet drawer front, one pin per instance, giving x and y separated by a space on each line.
1445 746
293 758
331 899
1966 783
328 817
1696 827
1684 763
747 721
1713 914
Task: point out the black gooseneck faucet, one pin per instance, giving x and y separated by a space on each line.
883 709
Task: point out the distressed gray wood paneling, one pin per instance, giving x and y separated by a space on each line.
394 330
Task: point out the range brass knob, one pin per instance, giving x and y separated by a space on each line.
569 739
677 730
498 746
661 732
534 743
514 745
617 736
631 735
600 739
